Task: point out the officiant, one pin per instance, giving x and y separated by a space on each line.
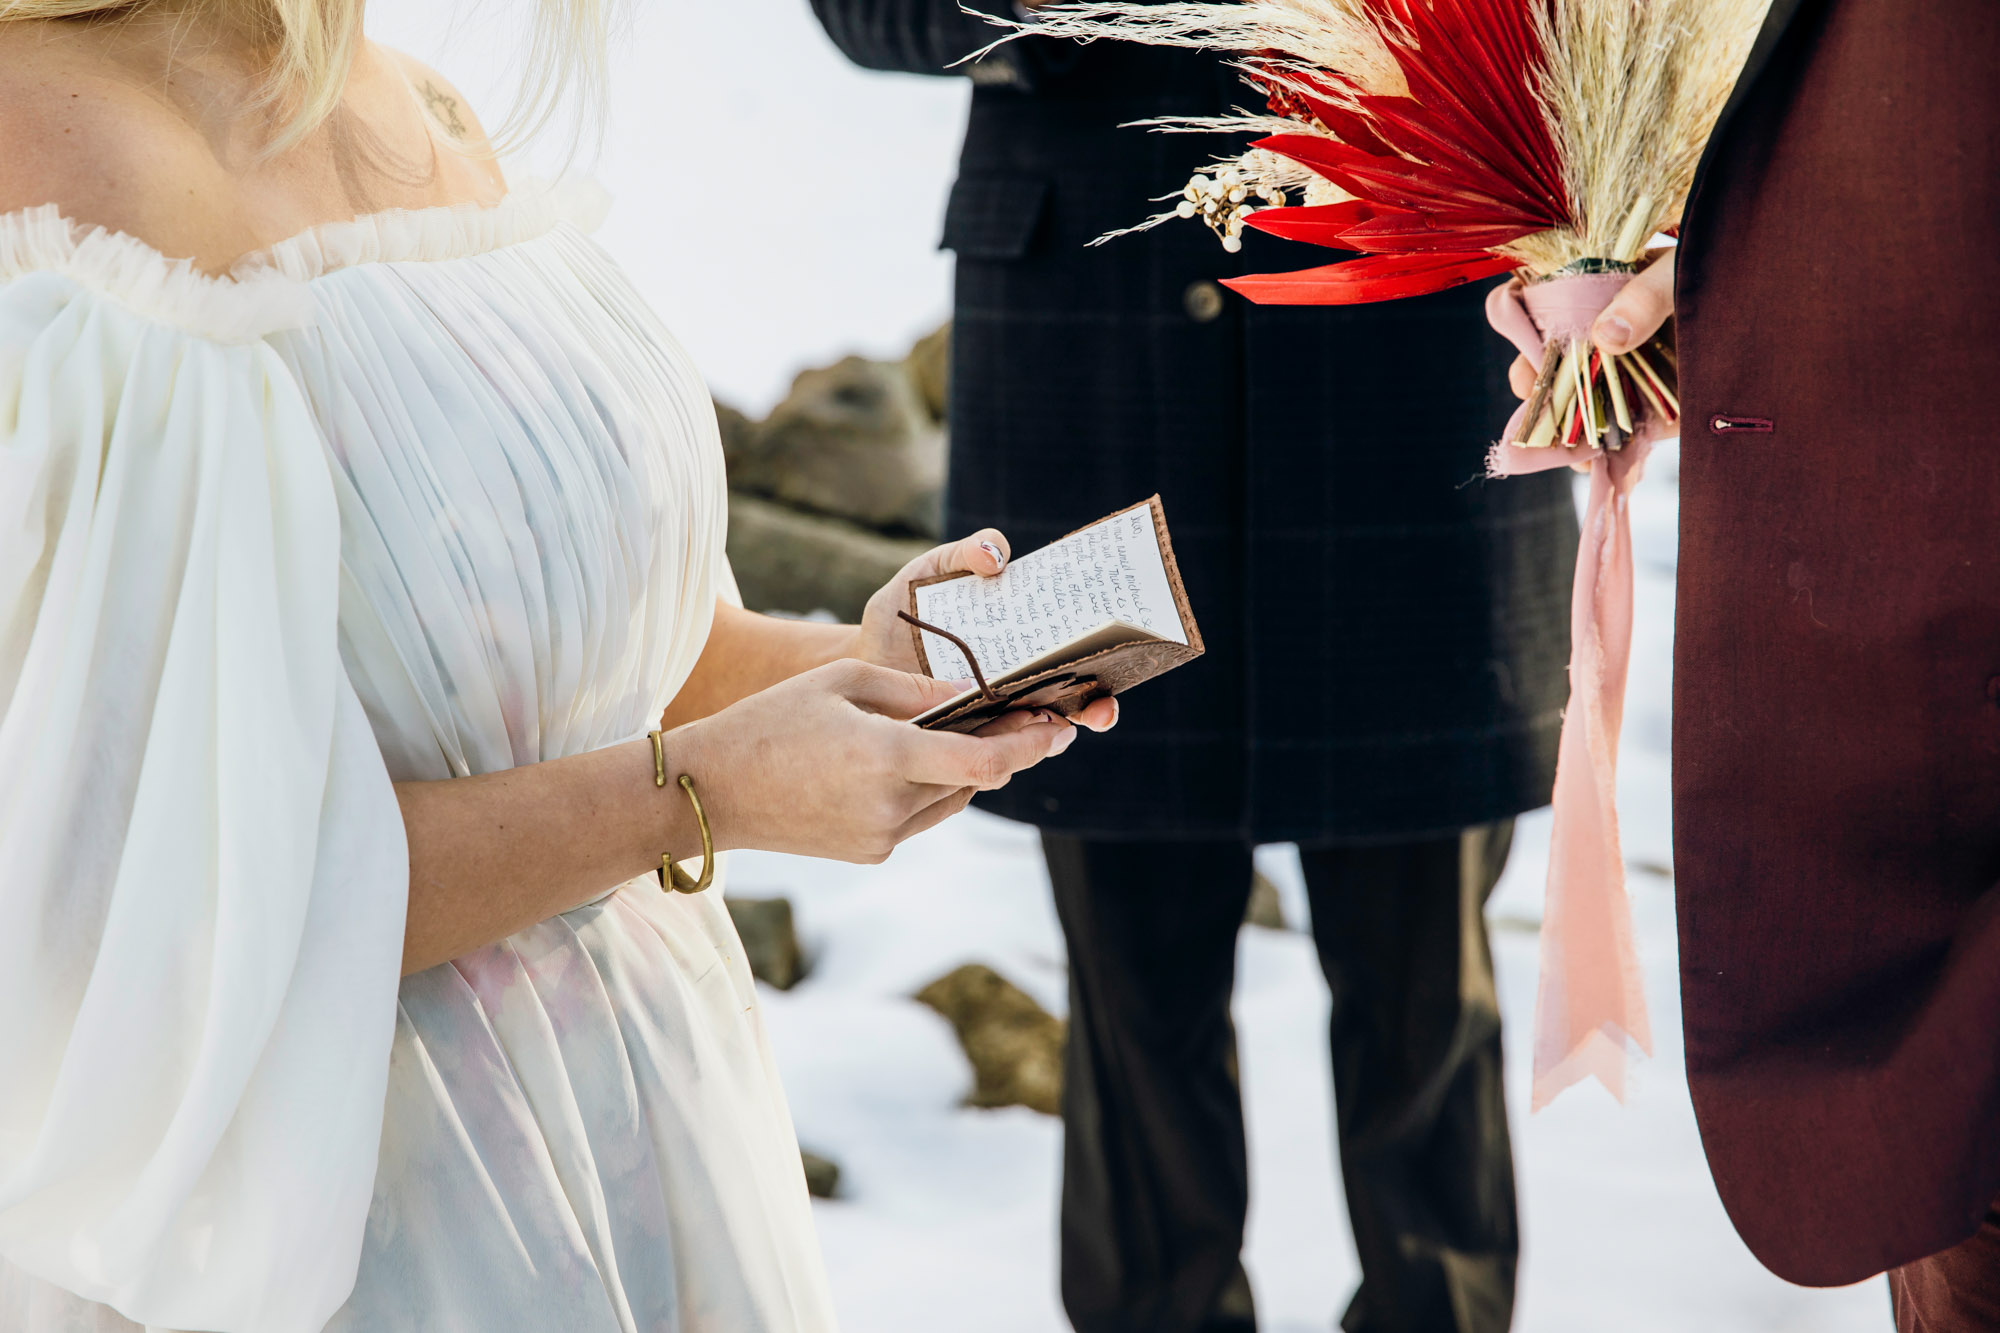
1387 641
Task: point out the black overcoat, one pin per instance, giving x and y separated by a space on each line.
1387 632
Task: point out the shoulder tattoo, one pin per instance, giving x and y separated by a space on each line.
444 109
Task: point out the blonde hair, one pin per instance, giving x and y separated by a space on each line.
313 43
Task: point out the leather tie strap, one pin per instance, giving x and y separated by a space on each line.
963 647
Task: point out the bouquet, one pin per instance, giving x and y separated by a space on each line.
1448 141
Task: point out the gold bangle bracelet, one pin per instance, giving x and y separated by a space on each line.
671 875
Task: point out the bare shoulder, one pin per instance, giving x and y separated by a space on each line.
111 148
451 115
105 152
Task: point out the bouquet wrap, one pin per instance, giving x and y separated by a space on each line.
1591 999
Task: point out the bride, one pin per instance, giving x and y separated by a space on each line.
359 525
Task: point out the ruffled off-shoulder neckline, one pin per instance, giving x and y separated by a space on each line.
269 290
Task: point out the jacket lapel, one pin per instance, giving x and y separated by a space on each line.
1776 23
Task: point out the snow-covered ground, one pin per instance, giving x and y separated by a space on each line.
781 209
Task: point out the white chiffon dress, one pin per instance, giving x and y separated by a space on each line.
417 496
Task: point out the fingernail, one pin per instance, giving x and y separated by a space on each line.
1614 332
959 685
999 556
1063 741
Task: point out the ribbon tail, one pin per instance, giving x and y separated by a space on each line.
1591 1005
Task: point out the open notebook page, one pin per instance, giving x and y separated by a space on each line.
1110 573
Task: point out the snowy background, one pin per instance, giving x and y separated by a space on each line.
781 209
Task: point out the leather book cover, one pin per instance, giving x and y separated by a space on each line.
1108 661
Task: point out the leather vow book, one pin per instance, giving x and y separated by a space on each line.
1090 615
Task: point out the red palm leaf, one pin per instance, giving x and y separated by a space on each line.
1463 164
1477 62
1346 124
1442 144
1375 278
1411 233
1396 182
1355 225
1321 224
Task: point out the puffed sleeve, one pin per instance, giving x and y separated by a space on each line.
202 864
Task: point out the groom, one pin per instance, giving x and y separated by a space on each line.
1387 641
1837 656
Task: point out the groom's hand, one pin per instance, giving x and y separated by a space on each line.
1637 313
1634 315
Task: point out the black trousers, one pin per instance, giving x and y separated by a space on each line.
1155 1178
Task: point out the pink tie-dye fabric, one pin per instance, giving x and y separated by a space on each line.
1591 1006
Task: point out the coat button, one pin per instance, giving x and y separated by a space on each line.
1203 300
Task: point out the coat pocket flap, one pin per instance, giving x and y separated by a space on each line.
994 217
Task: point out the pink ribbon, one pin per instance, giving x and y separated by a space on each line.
1590 1009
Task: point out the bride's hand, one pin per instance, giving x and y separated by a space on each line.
826 764
886 640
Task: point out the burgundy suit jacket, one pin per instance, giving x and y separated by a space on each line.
1837 660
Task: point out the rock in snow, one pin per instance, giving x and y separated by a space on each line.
1266 909
822 1175
1015 1045
770 940
788 560
855 440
